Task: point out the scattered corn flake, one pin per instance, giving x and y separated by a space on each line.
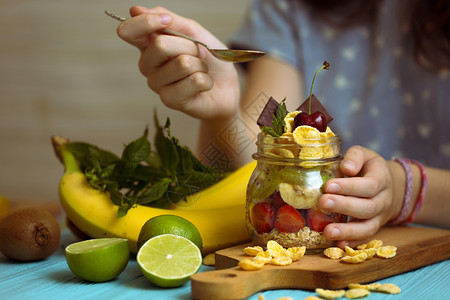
356 293
356 259
282 261
253 251
275 249
334 252
250 265
370 287
330 294
285 298
261 297
370 252
352 252
372 244
295 253
387 251
209 260
389 288
263 256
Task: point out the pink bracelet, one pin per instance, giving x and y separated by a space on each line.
423 190
408 192
401 219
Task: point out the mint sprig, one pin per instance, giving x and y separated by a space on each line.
278 121
156 177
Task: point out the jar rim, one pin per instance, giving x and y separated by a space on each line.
287 142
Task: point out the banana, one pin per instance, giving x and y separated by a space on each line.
220 224
229 191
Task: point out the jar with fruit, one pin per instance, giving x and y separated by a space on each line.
296 154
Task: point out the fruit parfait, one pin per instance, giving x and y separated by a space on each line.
296 154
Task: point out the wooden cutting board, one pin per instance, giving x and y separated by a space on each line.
416 247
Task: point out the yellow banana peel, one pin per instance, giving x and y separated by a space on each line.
218 212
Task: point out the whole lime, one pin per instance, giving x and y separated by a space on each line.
98 260
169 224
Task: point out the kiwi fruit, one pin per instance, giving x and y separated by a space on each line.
29 234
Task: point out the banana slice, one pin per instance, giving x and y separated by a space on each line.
299 197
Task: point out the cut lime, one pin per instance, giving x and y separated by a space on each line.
98 259
169 260
169 224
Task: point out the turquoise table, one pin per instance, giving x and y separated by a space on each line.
51 279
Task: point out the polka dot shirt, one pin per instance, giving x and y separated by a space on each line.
379 96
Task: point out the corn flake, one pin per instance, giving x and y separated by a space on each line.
334 252
352 252
372 244
356 259
250 265
282 261
209 260
370 287
313 298
263 256
387 251
289 121
275 249
330 294
388 288
356 293
253 251
370 252
295 253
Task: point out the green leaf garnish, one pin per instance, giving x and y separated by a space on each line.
278 121
156 178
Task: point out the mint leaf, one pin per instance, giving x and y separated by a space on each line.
138 150
278 120
154 192
270 131
278 123
166 149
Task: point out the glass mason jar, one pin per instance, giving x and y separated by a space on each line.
284 188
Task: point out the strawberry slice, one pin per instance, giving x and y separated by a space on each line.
317 220
289 219
263 217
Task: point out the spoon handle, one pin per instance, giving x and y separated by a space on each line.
171 32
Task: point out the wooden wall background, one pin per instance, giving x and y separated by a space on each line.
64 71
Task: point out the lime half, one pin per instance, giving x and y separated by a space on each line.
169 260
98 259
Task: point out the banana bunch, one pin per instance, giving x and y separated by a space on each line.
218 212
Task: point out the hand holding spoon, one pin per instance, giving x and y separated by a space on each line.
228 55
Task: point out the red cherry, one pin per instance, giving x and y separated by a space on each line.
316 120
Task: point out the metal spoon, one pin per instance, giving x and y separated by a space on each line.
228 55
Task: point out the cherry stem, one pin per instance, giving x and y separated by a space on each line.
325 65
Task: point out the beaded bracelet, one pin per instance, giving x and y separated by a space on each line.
401 219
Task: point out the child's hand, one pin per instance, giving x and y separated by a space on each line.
186 76
366 195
